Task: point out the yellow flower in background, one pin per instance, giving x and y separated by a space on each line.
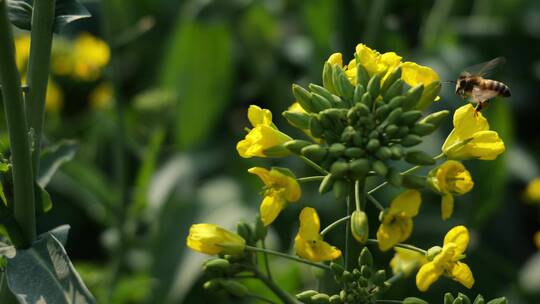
90 55
309 243
397 224
22 52
532 193
281 187
264 140
101 97
406 261
54 98
537 239
212 239
447 261
471 137
449 179
414 74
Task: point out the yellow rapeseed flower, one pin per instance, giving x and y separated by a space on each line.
449 179
397 224
537 239
101 97
446 261
212 239
54 98
281 187
263 137
309 243
406 261
90 56
22 52
532 193
471 137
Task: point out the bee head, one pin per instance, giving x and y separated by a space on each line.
460 87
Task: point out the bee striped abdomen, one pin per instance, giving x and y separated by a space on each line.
497 86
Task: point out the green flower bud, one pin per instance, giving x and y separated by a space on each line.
314 152
379 277
358 92
244 230
464 298
396 102
326 121
336 149
335 299
394 90
458 301
418 157
373 144
402 132
411 140
297 119
337 269
394 177
260 229
359 168
397 152
354 152
367 99
360 226
374 86
320 298
501 300
305 296
382 111
362 282
391 130
413 181
212 285
383 153
414 300
435 118
330 136
431 91
366 271
479 299
322 91
390 80
362 76
347 276
393 117
235 288
448 298
216 265
413 97
423 129
433 252
315 127
356 274
347 134
343 84
320 103
303 97
296 145
326 184
327 77
339 169
340 189
380 168
358 139
410 117
361 109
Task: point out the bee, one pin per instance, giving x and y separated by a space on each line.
479 89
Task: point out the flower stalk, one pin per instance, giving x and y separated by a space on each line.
286 256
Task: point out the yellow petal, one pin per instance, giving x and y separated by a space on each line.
447 206
532 193
406 261
309 224
262 173
459 236
427 275
368 58
414 74
463 274
406 203
212 239
261 138
537 239
258 116
296 107
336 58
392 232
315 250
270 208
289 184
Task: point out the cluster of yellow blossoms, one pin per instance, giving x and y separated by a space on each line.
471 138
532 195
82 60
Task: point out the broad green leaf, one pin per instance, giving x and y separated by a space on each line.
60 233
43 199
198 68
44 274
53 157
66 11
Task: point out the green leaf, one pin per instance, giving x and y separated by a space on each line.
60 233
44 274
53 157
43 199
198 67
66 11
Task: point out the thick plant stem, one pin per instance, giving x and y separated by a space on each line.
23 180
38 71
280 293
6 297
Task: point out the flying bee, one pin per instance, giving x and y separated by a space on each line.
478 88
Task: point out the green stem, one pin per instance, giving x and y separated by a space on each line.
375 202
314 165
286 256
266 263
334 225
357 193
308 179
395 278
38 71
260 298
388 301
401 245
347 232
23 180
280 293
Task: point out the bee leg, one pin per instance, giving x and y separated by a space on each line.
479 106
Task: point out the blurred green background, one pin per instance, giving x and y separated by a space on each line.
159 154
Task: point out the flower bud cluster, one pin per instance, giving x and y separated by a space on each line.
362 128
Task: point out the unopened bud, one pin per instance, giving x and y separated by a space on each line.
479 299
431 91
360 226
358 92
394 115
414 300
464 298
373 144
359 167
340 189
374 85
212 285
379 277
396 102
383 153
326 184
365 258
335 299
413 181
260 229
244 230
339 169
327 77
394 177
367 99
303 97
418 157
390 80
354 152
380 168
436 118
336 149
235 288
296 145
320 298
216 265
413 97
448 298
320 103
315 127
342 84
362 76
423 129
411 140
394 90
297 119
314 152
410 117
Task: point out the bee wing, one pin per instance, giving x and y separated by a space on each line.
478 95
485 68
